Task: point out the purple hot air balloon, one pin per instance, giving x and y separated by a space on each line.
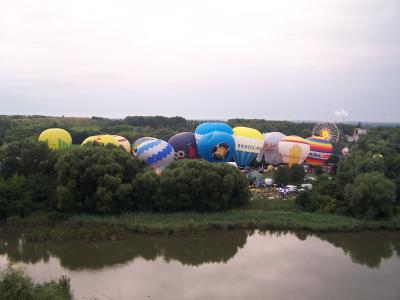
185 146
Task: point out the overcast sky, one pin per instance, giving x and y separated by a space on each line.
286 59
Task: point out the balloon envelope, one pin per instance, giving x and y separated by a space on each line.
216 147
139 141
184 145
103 139
209 127
293 149
248 143
56 138
346 151
270 150
157 153
320 151
123 142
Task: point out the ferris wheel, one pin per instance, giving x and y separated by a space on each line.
327 130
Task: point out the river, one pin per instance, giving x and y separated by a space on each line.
219 265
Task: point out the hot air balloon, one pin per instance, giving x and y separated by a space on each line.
320 150
123 142
157 153
346 151
209 127
56 138
103 139
216 147
270 150
136 144
248 143
293 149
185 146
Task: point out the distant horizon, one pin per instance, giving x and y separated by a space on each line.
207 119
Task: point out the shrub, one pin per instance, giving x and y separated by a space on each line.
201 186
371 196
146 190
281 175
96 179
26 158
303 202
14 196
14 284
296 174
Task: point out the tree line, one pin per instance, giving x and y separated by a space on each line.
107 180
367 183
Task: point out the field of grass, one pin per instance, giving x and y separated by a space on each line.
259 214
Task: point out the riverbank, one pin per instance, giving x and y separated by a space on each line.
14 284
259 214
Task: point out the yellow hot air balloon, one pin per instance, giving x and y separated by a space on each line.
123 142
103 139
56 138
248 143
293 149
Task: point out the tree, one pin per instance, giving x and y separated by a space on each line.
281 175
15 198
371 196
296 174
27 157
201 186
96 179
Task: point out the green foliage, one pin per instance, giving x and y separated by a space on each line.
14 284
285 175
191 185
15 198
281 175
296 174
201 186
25 158
96 179
303 202
371 196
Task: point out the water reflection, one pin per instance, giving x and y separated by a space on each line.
368 248
214 247
219 265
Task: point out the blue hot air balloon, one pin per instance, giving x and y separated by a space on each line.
157 153
209 127
185 146
136 144
217 146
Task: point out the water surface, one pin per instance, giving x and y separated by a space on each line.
219 265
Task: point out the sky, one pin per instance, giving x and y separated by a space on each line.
331 60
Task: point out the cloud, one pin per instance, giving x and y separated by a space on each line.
341 114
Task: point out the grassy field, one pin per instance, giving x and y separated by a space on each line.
259 214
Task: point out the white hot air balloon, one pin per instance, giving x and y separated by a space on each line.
293 149
270 150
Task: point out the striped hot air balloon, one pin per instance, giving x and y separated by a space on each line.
320 151
56 138
156 153
136 144
248 143
293 149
